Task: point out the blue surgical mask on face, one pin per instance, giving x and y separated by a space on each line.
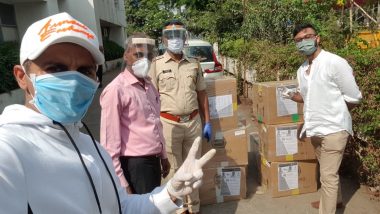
307 46
64 96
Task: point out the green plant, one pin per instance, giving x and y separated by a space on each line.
9 56
279 61
258 34
112 50
365 146
148 16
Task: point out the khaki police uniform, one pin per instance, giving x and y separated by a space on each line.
178 84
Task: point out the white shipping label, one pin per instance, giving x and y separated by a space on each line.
285 106
287 176
286 140
239 132
230 184
220 106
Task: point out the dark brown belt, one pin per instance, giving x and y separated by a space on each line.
179 119
141 156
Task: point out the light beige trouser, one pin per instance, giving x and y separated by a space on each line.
329 150
179 138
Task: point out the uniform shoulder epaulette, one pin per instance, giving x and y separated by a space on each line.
158 57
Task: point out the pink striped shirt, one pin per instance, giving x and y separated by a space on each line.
130 120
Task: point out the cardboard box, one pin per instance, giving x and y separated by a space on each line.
281 143
255 100
289 178
231 148
222 98
223 184
272 107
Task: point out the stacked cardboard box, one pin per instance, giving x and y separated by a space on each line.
223 184
281 142
288 162
222 100
289 178
270 107
225 175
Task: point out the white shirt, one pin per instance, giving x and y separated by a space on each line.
325 91
39 166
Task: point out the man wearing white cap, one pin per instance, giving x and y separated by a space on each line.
131 130
46 164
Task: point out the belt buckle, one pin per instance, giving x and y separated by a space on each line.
184 119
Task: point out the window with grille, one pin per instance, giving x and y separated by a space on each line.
7 15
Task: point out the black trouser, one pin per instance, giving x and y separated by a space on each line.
142 173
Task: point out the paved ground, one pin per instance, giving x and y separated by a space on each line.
355 197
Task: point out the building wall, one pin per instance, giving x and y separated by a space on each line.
107 13
81 10
29 12
8 25
111 15
117 34
112 11
9 34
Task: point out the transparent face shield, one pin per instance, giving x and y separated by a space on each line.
142 48
139 56
174 38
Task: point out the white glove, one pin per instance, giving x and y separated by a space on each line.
189 175
287 93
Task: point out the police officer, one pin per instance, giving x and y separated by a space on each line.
181 85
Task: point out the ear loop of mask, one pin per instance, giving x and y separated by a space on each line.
32 79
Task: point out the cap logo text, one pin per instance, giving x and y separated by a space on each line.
63 26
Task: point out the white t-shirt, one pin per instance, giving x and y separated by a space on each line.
325 91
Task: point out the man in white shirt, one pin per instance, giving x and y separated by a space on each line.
328 90
46 164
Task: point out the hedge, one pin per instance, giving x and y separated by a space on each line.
112 50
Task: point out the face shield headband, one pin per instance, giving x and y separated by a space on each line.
143 53
175 37
175 33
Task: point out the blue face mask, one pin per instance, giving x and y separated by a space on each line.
307 46
63 97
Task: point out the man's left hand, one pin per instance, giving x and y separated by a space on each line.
165 167
207 131
287 93
189 176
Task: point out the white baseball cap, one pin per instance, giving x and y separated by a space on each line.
55 29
